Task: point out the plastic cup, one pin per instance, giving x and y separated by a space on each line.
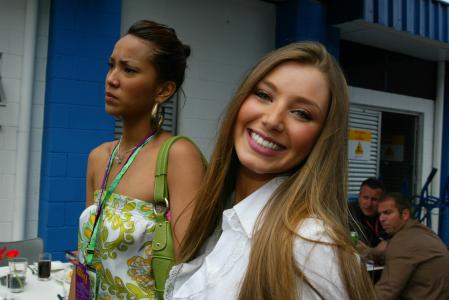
44 266
17 274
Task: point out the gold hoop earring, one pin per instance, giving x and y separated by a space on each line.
157 117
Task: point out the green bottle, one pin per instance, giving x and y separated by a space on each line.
354 238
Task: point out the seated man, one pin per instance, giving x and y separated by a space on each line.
416 260
365 220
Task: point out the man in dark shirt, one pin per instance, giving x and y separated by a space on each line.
365 220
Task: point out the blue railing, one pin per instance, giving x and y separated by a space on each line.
424 203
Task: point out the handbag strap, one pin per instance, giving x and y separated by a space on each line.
160 179
163 255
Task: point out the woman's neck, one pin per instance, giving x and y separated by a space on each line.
247 182
134 132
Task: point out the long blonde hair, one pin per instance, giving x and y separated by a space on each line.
317 188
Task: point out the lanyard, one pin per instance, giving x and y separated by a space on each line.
103 199
375 228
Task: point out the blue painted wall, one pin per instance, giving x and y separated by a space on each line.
81 36
305 20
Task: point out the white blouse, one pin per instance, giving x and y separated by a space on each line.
218 273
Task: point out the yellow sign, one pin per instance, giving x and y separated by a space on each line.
393 139
392 147
360 135
359 144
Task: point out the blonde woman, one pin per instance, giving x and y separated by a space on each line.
271 218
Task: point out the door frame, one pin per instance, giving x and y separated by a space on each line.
423 108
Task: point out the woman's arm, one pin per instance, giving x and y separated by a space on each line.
94 156
72 292
185 174
318 262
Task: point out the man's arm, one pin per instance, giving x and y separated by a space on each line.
376 254
399 266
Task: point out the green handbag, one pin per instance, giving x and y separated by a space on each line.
163 256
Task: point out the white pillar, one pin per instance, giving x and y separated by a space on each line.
24 122
438 138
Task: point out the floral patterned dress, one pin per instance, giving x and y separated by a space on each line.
123 257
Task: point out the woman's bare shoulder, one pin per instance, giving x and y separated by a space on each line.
101 152
185 166
184 149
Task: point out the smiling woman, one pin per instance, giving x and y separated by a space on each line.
279 122
271 218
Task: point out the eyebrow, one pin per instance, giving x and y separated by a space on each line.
297 99
121 61
126 63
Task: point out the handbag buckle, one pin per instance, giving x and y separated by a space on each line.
162 209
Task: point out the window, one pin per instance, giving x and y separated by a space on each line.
170 110
382 70
365 120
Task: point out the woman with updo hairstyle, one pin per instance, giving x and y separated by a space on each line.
271 219
146 68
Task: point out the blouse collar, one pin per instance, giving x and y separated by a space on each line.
247 210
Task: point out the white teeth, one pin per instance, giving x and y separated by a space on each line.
264 143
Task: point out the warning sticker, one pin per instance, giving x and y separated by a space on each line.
392 147
359 147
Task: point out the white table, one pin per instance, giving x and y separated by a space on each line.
371 267
374 271
37 289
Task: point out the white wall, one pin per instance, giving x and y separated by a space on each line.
226 37
12 23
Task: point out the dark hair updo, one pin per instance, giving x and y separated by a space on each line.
170 54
